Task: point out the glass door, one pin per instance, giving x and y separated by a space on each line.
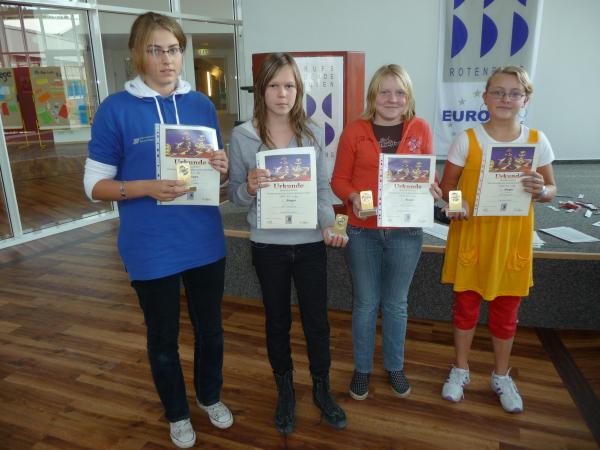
48 97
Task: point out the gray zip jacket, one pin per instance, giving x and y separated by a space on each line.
243 146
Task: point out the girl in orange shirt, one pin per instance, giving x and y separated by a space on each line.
382 260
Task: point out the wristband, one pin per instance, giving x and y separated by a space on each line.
122 191
542 193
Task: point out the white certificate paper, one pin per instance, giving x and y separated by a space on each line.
404 197
290 200
569 234
188 144
500 192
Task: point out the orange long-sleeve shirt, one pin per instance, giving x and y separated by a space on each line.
357 161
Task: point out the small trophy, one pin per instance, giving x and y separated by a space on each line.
366 204
455 202
184 173
339 226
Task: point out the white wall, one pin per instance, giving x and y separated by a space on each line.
223 9
567 84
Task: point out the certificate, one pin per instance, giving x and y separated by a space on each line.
290 200
404 196
500 192
182 154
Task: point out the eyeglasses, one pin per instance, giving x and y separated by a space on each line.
512 96
157 52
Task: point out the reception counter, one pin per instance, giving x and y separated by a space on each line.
566 291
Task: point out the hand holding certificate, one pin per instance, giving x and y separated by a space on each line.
500 191
405 199
183 153
290 198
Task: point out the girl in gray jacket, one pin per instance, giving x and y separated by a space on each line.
280 255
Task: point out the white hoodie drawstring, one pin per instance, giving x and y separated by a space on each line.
158 109
160 114
176 113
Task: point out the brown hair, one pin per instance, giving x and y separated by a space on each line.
375 85
297 116
140 33
517 71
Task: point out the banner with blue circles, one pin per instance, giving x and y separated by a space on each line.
478 36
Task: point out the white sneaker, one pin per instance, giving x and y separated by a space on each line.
182 433
507 391
454 385
219 414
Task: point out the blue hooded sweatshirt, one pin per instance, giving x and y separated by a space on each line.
155 241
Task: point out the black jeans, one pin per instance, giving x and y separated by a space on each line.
306 264
159 300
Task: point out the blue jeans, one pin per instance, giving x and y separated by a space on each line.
159 300
382 262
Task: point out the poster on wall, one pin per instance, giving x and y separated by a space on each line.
475 39
77 104
49 97
323 78
9 104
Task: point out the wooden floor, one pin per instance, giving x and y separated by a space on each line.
50 200
74 372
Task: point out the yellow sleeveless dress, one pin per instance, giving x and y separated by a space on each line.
489 255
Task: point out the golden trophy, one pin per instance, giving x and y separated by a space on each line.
339 226
366 204
184 173
455 202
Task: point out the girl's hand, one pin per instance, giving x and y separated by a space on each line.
257 179
463 214
334 240
436 191
354 199
533 182
218 160
165 190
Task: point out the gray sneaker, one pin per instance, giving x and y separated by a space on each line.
399 383
359 386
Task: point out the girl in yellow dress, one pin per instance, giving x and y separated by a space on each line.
492 257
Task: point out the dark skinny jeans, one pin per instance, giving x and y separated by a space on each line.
306 264
159 300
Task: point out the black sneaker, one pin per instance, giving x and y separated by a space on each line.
399 383
359 386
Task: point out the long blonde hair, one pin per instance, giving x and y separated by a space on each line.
375 85
297 116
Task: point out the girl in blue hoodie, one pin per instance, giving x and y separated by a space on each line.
161 246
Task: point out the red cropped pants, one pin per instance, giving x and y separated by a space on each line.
503 312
